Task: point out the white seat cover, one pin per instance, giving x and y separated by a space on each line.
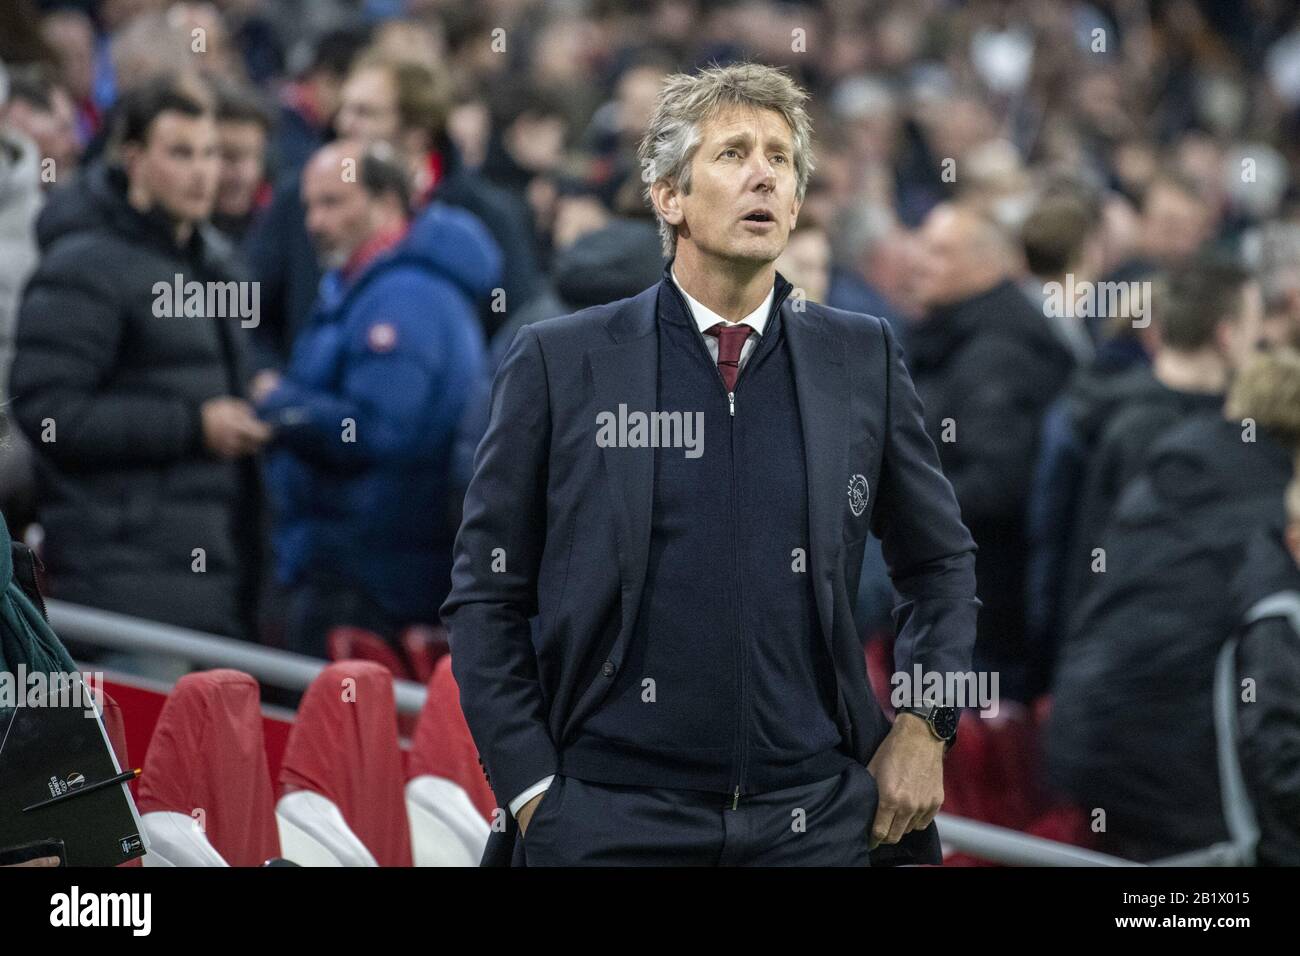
174 839
446 829
314 833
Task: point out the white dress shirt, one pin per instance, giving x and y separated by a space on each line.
705 318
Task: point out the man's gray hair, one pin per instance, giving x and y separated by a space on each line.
688 100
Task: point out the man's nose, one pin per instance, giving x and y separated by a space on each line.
765 175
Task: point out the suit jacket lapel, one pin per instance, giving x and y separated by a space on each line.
822 386
627 373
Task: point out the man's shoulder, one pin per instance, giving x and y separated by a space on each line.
92 258
595 325
845 319
620 320
856 329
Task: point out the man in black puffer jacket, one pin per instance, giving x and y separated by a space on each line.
147 491
1132 730
1207 316
1268 652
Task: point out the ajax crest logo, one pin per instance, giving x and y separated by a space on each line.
858 492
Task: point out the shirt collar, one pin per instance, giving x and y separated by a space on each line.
706 318
371 249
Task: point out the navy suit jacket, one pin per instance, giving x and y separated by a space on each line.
550 560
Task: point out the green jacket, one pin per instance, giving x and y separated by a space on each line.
25 636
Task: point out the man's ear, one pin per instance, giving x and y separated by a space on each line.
667 201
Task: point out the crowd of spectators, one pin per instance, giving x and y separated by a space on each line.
259 260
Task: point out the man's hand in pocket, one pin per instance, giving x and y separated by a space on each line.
526 813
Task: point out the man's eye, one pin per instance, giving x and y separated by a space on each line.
779 156
730 152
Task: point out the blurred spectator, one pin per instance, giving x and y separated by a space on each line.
872 256
208 38
404 104
986 364
806 261
71 35
415 41
366 413
616 127
139 47
1274 249
1206 324
1268 720
1176 221
150 45
1062 245
309 102
598 259
41 109
20 203
524 151
1131 729
255 35
135 412
243 127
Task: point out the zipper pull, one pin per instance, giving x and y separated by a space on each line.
736 799
731 398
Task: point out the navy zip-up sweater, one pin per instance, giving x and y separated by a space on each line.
727 686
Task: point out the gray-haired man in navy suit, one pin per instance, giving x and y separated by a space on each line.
651 607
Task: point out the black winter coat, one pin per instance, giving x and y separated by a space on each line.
992 365
1132 725
1268 727
109 395
1120 437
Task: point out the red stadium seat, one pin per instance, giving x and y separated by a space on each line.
115 727
880 664
342 772
347 643
442 745
205 777
449 802
424 645
141 703
995 774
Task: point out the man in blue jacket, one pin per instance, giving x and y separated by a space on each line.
366 414
652 627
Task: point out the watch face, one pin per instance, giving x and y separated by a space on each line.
945 722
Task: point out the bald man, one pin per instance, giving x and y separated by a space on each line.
365 415
986 364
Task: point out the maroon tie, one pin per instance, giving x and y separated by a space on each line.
731 339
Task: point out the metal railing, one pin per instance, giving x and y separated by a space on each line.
122 632
1013 848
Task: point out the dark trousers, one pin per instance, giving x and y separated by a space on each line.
581 823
